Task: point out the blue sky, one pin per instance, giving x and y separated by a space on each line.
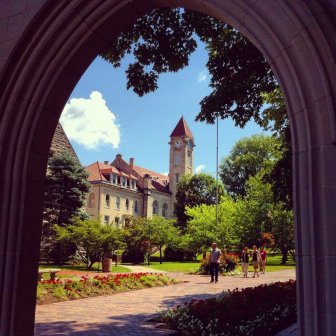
103 119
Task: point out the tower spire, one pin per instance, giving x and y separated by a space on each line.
182 129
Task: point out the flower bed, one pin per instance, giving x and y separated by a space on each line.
49 291
262 310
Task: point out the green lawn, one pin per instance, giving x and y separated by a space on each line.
273 264
175 266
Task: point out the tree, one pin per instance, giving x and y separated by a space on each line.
283 230
163 40
252 216
162 232
66 190
137 240
241 79
248 157
192 191
92 239
202 226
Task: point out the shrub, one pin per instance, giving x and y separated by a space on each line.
228 263
262 310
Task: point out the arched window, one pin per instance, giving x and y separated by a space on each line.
136 206
107 200
127 204
155 208
117 202
92 199
165 210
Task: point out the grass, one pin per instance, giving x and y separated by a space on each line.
175 266
273 264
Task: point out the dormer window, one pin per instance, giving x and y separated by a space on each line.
123 181
133 184
114 179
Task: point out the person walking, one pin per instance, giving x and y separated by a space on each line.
215 254
245 261
263 259
255 260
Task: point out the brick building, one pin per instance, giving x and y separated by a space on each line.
122 190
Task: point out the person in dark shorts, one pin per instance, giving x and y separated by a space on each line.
215 254
244 257
255 260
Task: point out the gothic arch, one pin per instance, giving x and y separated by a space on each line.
47 45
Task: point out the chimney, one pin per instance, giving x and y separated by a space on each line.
131 163
107 162
118 157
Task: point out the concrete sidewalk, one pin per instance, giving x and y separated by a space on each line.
125 314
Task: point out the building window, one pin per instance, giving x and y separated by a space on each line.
92 199
189 158
118 202
106 220
114 179
107 200
177 158
177 178
136 206
133 184
127 204
127 222
123 181
116 222
155 208
165 210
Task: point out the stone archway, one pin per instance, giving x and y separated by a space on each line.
46 46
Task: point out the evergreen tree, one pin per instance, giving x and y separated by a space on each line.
66 190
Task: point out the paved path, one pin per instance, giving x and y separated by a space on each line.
125 314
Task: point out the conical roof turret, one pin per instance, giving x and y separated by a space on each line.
182 129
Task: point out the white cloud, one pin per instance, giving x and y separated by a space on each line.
89 122
202 76
165 173
199 168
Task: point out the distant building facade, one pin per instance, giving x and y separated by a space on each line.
122 190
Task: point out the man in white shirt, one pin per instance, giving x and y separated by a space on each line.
215 254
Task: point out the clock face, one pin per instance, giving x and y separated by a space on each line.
177 143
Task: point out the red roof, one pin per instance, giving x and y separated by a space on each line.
94 170
182 129
163 179
97 169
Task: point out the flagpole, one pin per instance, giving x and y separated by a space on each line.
217 171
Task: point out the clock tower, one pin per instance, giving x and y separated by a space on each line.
181 159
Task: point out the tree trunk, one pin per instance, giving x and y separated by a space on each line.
284 252
160 254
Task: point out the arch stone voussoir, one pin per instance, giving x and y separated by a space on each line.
46 46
